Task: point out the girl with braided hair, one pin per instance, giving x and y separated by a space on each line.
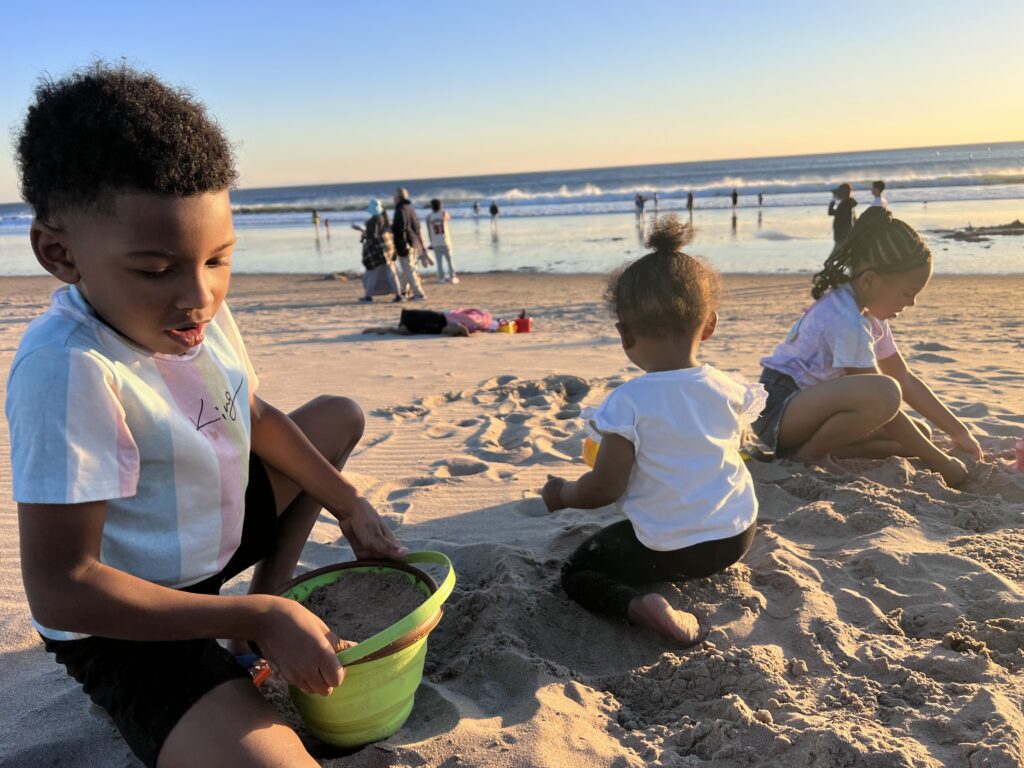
817 407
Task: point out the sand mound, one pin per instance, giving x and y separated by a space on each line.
877 620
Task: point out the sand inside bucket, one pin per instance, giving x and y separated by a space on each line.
361 604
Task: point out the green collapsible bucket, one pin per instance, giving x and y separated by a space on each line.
383 672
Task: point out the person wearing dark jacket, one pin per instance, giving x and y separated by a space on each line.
841 208
408 244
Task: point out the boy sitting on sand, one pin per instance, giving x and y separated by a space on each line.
147 472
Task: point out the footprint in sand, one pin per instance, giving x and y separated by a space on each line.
931 346
928 357
459 466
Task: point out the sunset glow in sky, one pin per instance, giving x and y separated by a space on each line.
328 92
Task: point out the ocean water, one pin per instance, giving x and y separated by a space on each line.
584 220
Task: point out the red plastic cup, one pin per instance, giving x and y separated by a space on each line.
524 324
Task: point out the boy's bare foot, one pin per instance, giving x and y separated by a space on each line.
653 611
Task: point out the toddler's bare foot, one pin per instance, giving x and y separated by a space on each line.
653 611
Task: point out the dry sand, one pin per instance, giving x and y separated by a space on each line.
877 621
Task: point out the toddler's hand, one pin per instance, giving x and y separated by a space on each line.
968 443
552 493
300 647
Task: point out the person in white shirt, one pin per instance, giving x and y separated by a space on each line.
441 241
877 188
816 407
669 455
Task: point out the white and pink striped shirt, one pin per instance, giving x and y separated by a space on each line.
163 439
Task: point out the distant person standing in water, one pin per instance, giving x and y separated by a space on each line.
735 197
877 188
760 199
494 221
639 201
476 208
316 221
841 208
689 202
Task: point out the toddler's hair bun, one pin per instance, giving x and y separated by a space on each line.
669 235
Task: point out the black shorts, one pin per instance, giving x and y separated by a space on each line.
147 686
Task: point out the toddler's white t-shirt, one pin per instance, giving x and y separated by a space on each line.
688 483
163 439
830 337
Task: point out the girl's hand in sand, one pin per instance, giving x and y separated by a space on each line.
552 493
968 443
300 647
367 534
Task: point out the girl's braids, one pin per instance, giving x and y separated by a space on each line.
878 242
667 292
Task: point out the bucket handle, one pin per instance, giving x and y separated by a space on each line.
424 612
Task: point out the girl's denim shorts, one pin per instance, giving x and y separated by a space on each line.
781 388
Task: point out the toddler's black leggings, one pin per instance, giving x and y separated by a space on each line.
603 571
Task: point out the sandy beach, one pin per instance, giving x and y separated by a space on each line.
877 621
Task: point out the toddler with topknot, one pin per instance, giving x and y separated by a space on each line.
669 456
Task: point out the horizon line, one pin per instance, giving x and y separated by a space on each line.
608 167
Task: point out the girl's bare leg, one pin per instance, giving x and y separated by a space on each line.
836 414
841 417
334 425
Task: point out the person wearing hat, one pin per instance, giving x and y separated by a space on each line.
841 207
378 254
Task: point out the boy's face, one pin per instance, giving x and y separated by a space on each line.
156 269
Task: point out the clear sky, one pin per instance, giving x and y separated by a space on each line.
344 91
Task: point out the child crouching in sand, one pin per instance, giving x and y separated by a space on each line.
816 407
146 469
669 448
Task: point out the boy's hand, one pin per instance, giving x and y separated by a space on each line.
300 647
552 493
367 534
968 443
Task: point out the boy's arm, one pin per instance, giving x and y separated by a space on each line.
920 397
601 486
69 589
279 442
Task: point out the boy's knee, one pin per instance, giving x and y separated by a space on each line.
343 412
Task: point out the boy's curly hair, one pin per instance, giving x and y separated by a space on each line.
877 242
667 292
110 128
